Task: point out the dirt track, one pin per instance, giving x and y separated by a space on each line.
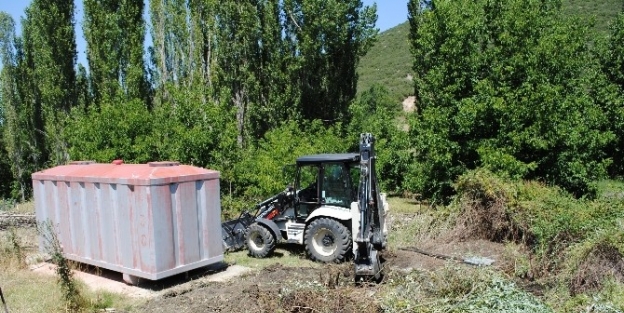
329 288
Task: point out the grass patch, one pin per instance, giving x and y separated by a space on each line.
287 255
27 291
610 190
12 207
23 290
412 222
406 206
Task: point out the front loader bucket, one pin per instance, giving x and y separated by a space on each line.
233 232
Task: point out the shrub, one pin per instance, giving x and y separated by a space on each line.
595 260
544 218
73 299
260 173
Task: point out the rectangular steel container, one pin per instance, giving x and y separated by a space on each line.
145 220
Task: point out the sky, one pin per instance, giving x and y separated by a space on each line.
390 13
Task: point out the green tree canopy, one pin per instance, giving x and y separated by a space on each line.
504 85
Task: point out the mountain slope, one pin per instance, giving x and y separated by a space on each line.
388 63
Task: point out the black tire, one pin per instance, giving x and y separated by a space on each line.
327 240
260 241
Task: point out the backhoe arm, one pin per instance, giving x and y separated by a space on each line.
369 215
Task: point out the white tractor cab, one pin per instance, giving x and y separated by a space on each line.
334 209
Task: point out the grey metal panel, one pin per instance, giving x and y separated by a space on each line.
188 241
163 231
76 229
150 231
213 219
91 220
63 210
200 200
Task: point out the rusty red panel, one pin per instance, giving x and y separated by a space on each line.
147 220
155 173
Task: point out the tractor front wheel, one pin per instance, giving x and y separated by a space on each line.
327 240
260 241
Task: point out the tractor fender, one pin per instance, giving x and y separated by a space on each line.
272 226
334 212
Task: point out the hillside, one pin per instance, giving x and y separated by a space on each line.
389 63
603 11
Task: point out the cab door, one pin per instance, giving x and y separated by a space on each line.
307 186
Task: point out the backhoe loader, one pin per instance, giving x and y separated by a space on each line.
335 209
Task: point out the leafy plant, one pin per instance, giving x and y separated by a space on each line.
504 85
74 301
459 290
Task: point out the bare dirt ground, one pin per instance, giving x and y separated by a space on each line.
276 289
295 286
409 104
304 289
293 289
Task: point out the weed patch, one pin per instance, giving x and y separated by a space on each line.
546 219
455 289
72 296
12 250
596 260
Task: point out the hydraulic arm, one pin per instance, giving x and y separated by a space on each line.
368 226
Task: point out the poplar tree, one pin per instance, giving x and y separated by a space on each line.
115 32
50 60
15 127
327 38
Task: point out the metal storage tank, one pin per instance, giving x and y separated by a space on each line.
144 220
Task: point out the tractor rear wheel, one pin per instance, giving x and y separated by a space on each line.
260 241
327 240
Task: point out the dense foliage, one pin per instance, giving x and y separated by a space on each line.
245 87
510 86
218 77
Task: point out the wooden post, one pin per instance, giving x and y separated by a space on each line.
6 309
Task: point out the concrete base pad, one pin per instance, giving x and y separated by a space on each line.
104 280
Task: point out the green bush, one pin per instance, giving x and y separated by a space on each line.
260 173
547 219
111 131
